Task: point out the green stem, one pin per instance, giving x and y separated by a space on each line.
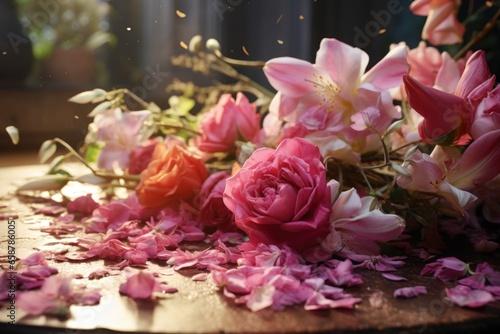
125 91
228 70
96 173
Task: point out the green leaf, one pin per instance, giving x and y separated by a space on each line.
154 107
55 163
182 105
47 150
394 126
62 172
445 140
92 152
45 183
91 179
410 151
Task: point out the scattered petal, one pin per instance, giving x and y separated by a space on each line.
409 292
465 296
393 277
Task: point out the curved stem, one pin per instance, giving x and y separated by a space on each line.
405 145
86 164
231 72
488 26
143 103
237 62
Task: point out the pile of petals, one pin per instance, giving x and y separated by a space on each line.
39 289
474 289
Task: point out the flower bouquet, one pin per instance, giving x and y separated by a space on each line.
284 195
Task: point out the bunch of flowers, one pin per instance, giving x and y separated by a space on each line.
293 187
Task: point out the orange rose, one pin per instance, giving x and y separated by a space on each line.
174 174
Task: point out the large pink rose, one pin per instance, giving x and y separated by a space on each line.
230 120
281 196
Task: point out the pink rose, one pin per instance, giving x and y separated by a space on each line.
213 211
281 196
228 122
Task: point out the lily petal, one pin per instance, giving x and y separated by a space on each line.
289 75
479 164
388 73
448 75
475 73
345 64
442 112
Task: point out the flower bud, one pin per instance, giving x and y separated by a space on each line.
195 44
213 44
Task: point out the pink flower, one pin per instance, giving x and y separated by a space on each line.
317 101
355 227
436 69
213 211
409 292
446 269
487 116
442 26
479 163
120 133
425 62
229 121
280 196
427 176
447 117
464 296
141 156
143 285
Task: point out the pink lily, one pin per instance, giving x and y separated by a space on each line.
447 117
442 26
120 133
317 100
427 176
487 115
356 228
479 164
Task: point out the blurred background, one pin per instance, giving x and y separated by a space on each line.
51 50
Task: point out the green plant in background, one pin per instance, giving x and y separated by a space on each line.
62 31
64 24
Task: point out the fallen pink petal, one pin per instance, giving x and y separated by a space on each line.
409 292
465 296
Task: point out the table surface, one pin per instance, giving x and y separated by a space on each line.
199 307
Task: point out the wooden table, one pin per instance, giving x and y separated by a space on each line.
199 308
